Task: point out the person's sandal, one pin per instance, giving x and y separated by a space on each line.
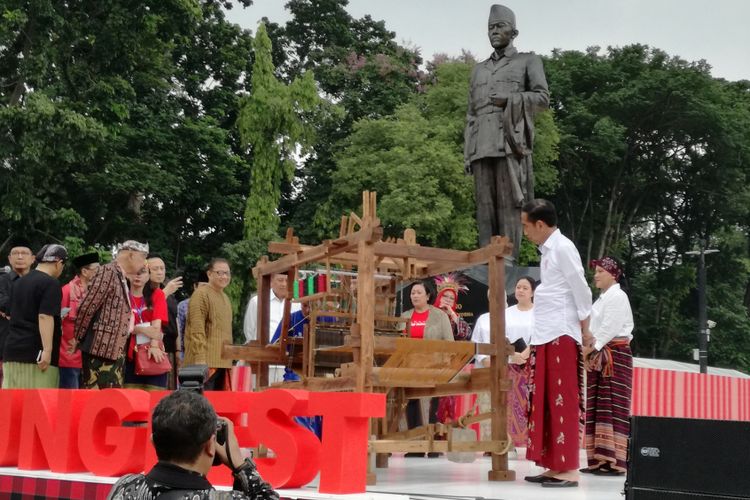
541 478
607 470
553 482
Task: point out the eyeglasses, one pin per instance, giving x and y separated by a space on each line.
222 273
20 253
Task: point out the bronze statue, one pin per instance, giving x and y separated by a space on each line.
507 90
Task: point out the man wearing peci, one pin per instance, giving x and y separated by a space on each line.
507 90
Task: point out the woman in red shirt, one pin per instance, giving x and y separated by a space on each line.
150 311
424 322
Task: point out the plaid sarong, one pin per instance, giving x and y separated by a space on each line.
608 400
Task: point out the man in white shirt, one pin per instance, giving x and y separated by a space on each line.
278 294
562 307
278 297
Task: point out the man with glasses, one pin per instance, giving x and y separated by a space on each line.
278 296
209 326
20 258
32 348
105 319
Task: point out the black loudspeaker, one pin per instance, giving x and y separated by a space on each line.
681 459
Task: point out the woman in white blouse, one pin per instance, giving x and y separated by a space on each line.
609 373
519 322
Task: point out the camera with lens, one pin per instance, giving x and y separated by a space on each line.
221 432
192 378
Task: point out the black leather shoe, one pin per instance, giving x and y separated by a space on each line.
586 470
553 482
541 478
414 455
433 454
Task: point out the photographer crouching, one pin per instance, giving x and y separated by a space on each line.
189 438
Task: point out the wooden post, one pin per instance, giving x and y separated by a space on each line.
366 304
306 347
498 368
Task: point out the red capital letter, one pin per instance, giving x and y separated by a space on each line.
49 430
107 448
346 428
297 449
11 404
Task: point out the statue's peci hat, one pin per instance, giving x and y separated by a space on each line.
502 13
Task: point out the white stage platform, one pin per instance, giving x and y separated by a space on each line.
425 478
428 478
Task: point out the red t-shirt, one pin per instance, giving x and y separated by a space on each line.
418 323
143 314
157 311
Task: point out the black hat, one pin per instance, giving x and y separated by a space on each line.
86 259
20 241
52 253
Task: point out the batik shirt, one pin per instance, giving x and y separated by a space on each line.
172 482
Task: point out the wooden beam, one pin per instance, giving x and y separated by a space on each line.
322 384
254 353
406 377
401 251
319 252
442 268
500 248
423 431
397 445
490 350
453 388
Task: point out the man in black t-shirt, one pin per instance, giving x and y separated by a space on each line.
32 348
20 259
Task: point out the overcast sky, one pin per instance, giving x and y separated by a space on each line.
715 31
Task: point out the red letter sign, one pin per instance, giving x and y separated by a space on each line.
297 449
346 429
107 448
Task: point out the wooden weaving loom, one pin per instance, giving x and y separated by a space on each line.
374 355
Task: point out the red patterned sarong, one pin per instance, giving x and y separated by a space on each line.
555 404
518 404
608 395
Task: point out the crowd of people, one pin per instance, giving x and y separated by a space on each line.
113 325
564 345
119 324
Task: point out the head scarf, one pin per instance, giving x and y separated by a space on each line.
608 264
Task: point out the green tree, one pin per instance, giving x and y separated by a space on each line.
122 123
358 66
272 123
653 159
414 160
